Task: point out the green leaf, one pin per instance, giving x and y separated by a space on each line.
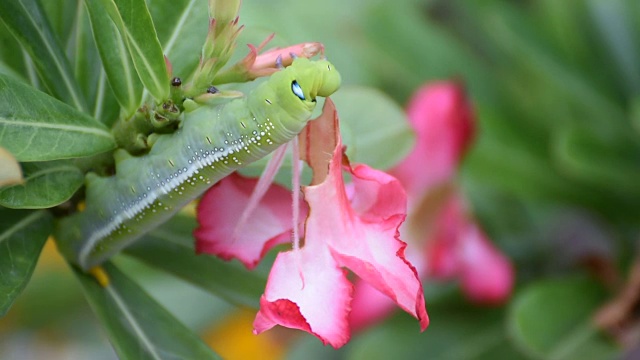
28 24
106 107
117 63
137 326
181 20
22 235
11 54
46 185
134 22
62 17
170 248
551 319
85 56
37 127
375 129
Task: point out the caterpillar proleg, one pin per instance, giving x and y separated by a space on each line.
212 142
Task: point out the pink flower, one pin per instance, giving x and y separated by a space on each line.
444 242
307 287
444 123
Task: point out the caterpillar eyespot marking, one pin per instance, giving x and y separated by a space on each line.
212 142
295 87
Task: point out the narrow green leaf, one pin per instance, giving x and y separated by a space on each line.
106 107
375 129
37 127
22 235
138 327
9 72
10 172
85 58
62 16
11 54
46 185
117 63
181 20
170 248
134 22
552 320
28 24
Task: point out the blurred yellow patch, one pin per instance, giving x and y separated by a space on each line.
233 339
100 275
50 257
190 209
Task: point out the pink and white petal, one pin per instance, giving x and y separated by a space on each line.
371 250
306 290
222 206
373 253
486 274
376 194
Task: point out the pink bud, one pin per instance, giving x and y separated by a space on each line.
268 59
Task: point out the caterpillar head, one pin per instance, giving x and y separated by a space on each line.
298 85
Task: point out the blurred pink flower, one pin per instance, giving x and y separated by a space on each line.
444 124
357 229
444 242
458 248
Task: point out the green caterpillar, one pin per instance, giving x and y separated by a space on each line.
212 142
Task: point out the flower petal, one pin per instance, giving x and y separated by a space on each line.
366 243
444 124
218 213
459 249
487 275
306 290
376 195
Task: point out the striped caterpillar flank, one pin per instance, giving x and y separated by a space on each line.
212 142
